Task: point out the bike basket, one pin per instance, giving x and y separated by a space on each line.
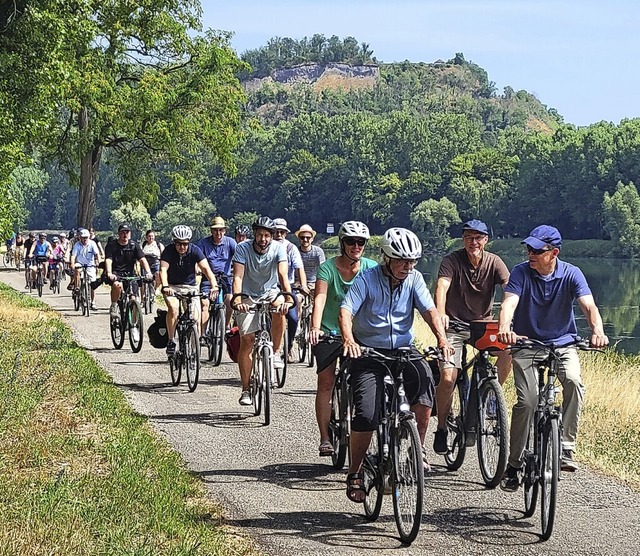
484 335
232 339
157 332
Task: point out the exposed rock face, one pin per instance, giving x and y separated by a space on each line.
321 76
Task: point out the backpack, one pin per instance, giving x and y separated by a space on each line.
232 339
157 332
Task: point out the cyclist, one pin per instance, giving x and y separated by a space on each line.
19 244
378 312
219 250
152 250
28 244
538 304
92 237
85 252
312 255
178 265
55 262
467 279
41 253
120 260
64 242
258 267
334 278
295 270
242 233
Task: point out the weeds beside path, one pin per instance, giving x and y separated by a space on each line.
80 471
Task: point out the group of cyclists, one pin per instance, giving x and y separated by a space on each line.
364 303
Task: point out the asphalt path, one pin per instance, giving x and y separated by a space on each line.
275 489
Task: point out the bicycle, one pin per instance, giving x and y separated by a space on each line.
129 318
82 295
187 354
479 409
55 276
7 259
304 327
148 296
393 461
260 382
543 450
39 281
215 328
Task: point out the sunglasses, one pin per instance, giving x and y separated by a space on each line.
181 243
351 241
538 251
305 238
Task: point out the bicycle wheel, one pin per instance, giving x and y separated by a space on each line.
175 366
302 340
208 334
455 429
86 298
530 482
116 324
266 383
257 382
492 432
149 294
408 480
135 323
218 335
39 283
192 357
373 478
550 472
339 424
6 259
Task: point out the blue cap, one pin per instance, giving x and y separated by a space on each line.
543 236
476 226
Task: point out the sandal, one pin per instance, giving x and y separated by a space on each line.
355 487
326 448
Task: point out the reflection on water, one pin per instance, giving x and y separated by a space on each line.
615 285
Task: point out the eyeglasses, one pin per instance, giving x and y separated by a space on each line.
538 251
406 262
279 232
351 241
305 238
472 239
181 243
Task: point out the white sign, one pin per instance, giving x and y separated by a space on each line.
330 229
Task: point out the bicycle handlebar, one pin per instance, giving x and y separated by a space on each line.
258 301
430 353
578 342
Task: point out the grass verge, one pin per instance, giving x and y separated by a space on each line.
80 471
609 433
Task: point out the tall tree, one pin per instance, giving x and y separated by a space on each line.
131 77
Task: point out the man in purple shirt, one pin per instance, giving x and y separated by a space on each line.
539 301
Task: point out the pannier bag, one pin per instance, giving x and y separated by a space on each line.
157 332
232 339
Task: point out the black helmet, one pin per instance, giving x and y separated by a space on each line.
264 222
243 230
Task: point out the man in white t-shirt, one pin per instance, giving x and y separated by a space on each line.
259 266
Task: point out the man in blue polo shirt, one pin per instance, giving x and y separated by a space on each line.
219 250
378 312
539 301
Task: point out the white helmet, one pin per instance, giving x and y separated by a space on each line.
353 228
181 233
400 243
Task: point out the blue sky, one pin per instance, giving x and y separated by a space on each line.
580 57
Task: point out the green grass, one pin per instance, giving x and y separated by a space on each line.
80 471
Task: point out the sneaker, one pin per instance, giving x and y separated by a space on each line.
278 363
171 348
45 281
94 307
511 479
293 354
70 286
245 398
440 446
567 463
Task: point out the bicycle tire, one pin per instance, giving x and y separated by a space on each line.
281 374
6 259
337 427
530 482
175 368
456 437
550 473
493 432
218 335
208 334
310 356
149 297
302 340
192 357
373 479
267 366
86 309
116 325
135 322
39 282
408 480
256 384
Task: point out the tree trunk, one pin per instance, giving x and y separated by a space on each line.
89 166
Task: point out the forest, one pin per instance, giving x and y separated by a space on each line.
152 120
